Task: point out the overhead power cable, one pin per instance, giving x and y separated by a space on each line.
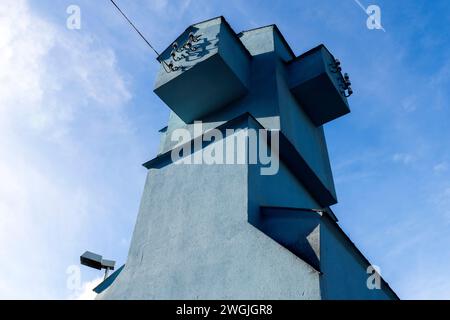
135 28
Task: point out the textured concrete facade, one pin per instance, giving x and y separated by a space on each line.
226 231
192 241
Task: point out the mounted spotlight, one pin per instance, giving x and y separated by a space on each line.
172 67
96 261
347 80
177 53
347 85
350 92
191 39
188 46
173 54
336 66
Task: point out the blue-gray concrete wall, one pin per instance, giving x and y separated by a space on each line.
200 233
308 139
192 241
345 269
270 101
198 236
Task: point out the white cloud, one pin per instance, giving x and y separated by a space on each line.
440 167
165 6
57 88
403 158
86 292
43 67
409 103
441 201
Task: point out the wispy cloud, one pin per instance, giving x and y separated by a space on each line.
440 167
86 292
404 158
54 85
68 146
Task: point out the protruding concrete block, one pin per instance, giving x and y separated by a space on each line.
230 231
265 40
208 78
317 239
296 229
318 85
92 260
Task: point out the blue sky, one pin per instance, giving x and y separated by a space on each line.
78 118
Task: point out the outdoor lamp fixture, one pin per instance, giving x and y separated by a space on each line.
191 39
336 66
350 92
347 85
172 67
188 45
174 52
96 261
320 211
178 52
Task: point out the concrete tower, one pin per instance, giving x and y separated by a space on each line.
227 231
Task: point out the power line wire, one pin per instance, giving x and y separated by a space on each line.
134 27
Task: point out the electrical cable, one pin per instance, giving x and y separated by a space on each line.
135 28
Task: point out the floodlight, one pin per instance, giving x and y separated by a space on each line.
96 261
108 264
91 260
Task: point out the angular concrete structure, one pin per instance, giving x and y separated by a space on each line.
227 231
